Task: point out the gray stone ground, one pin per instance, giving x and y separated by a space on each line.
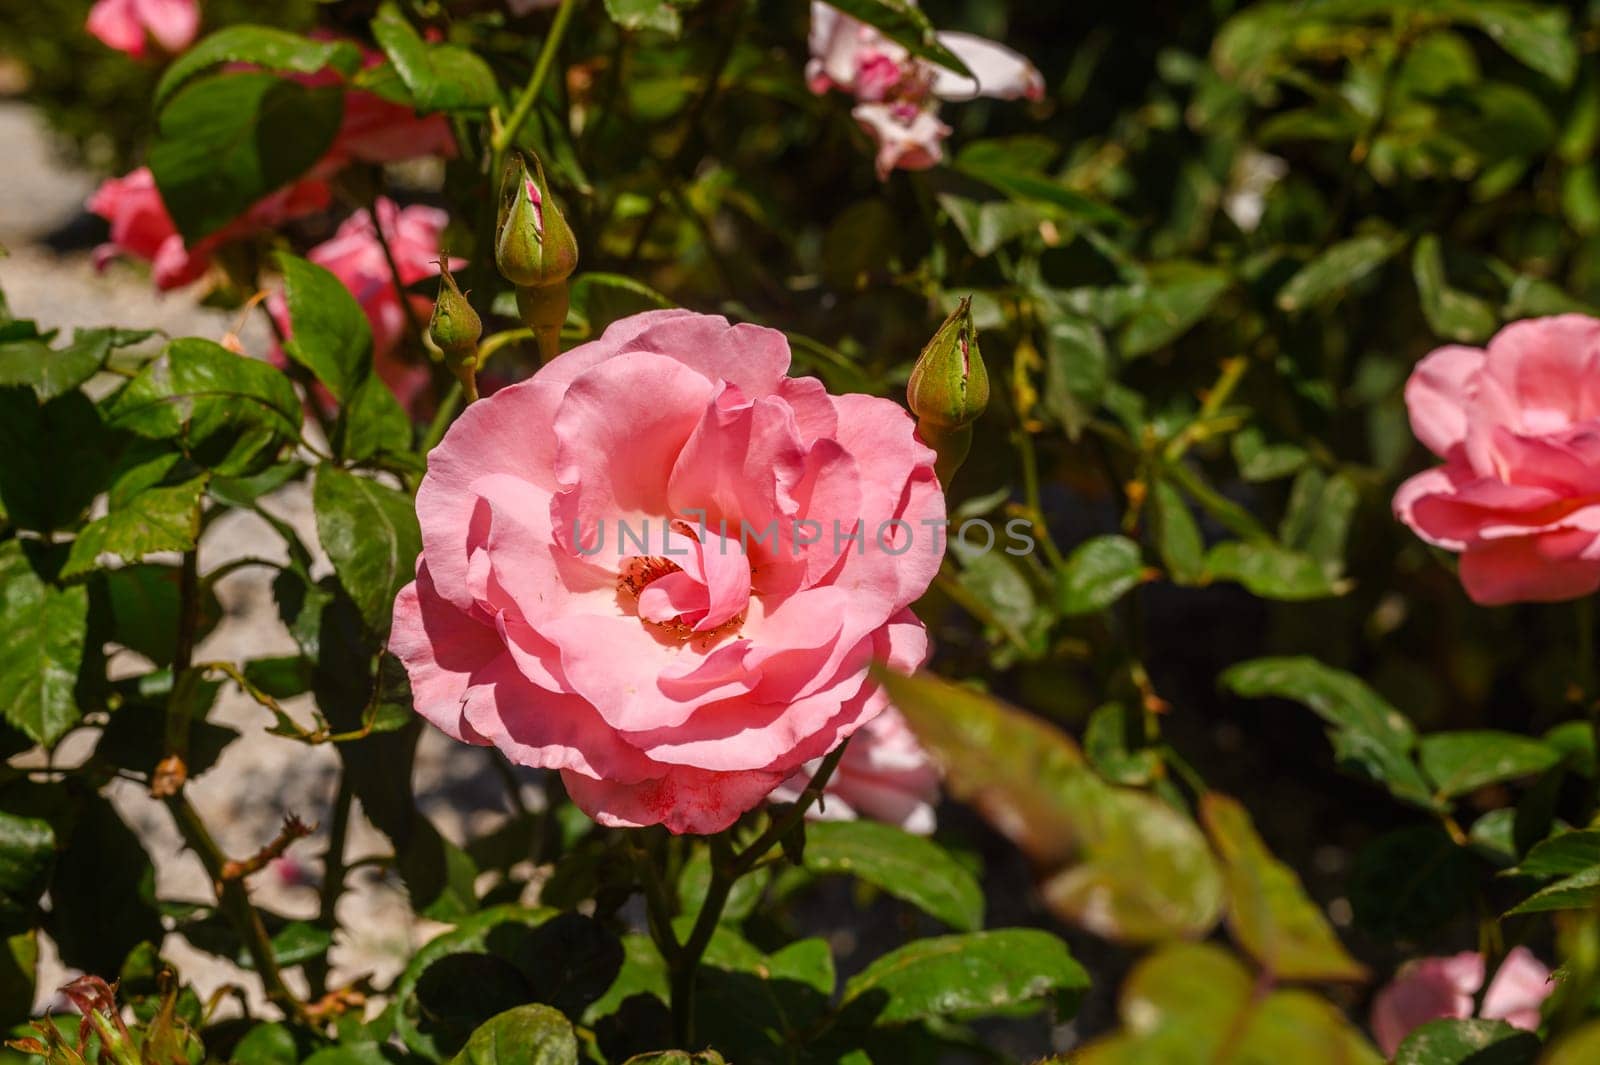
260 778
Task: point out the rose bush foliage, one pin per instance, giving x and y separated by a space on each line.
1195 665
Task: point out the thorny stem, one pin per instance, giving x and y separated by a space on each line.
727 868
232 898
234 902
333 874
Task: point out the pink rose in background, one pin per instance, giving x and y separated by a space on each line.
375 130
142 229
355 257
585 600
1435 988
898 94
884 775
130 25
1518 426
909 137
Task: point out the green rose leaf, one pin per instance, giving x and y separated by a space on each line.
27 852
965 976
911 868
1335 270
898 20
1461 762
527 1035
1196 1002
42 632
1271 571
222 409
1077 371
1451 313
1098 573
58 457
1119 862
330 335
1563 855
1576 892
439 77
373 424
1268 911
224 142
1368 733
52 372
370 533
1170 301
1454 1041
259 46
156 519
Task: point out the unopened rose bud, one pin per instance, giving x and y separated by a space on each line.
455 329
949 390
534 246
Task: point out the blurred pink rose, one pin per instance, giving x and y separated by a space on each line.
909 137
354 255
142 228
1518 426
638 568
376 130
884 775
1435 988
898 94
130 25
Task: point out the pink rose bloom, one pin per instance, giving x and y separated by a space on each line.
1435 988
898 94
1518 426
884 775
630 571
142 229
355 257
129 25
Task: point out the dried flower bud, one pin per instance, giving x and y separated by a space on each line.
534 246
949 390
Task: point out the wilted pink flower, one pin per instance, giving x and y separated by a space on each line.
1518 426
638 568
898 94
884 775
142 228
354 255
1435 988
130 25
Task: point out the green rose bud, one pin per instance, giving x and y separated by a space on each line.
534 246
949 386
949 390
455 329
